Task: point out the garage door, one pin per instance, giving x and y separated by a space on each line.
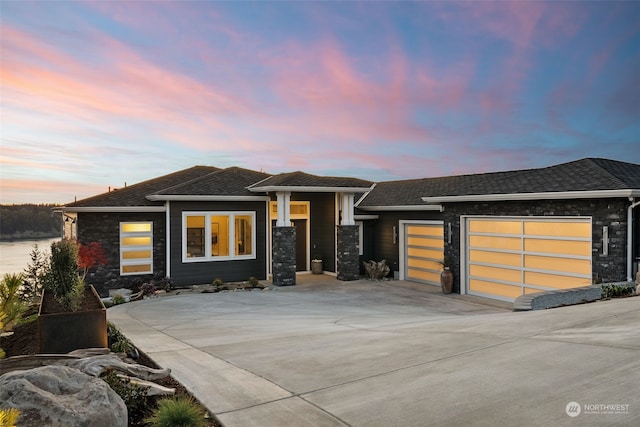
423 251
509 257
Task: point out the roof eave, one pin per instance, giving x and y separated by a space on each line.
205 198
304 189
557 195
402 208
114 208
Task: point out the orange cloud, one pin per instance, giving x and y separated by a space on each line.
44 191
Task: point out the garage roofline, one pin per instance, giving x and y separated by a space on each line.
559 195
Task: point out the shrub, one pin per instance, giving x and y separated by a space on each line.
9 417
614 291
118 299
218 282
2 353
10 303
61 277
165 283
148 289
179 411
118 343
253 282
134 397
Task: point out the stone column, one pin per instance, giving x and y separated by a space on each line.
348 258
283 256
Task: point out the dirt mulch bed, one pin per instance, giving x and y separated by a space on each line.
24 341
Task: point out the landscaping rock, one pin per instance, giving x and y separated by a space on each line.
61 396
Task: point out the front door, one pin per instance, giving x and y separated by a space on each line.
301 244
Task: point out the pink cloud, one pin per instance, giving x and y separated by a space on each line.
131 87
45 191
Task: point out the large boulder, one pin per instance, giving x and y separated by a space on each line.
61 396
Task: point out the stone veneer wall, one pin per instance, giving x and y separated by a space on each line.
284 256
105 228
348 258
604 212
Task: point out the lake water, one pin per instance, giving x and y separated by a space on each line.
14 255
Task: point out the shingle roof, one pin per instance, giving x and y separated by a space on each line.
302 179
590 174
232 181
135 195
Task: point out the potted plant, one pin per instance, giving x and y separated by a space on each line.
446 276
316 264
71 315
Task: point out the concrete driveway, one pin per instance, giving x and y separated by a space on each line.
331 353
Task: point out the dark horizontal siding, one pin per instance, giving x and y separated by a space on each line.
228 271
322 227
384 247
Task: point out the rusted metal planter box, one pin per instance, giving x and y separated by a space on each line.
64 331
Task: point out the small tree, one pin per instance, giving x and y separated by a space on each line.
10 304
61 277
33 276
90 255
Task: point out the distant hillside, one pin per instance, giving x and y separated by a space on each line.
29 222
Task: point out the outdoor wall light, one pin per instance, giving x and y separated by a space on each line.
395 235
605 240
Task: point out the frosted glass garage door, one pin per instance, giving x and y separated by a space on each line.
509 257
423 251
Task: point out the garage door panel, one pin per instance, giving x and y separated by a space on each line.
423 263
425 230
554 281
559 228
495 227
508 243
496 273
564 247
487 257
426 242
424 253
492 288
425 276
578 266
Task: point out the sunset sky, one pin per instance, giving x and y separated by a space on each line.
96 94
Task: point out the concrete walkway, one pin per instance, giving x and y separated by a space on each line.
331 353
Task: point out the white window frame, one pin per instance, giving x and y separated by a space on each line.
207 232
124 249
360 225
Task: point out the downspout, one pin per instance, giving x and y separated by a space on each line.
167 239
267 244
630 238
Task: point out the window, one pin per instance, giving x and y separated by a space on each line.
136 248
360 225
218 236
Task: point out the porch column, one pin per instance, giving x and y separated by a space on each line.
347 209
348 259
348 267
284 208
283 244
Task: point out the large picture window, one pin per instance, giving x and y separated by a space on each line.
218 236
136 248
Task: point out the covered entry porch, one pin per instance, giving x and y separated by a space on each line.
312 216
